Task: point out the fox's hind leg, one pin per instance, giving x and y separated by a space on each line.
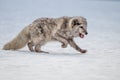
38 49
30 46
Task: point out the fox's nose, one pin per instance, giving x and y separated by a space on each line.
86 33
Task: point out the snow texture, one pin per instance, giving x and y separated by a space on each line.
101 62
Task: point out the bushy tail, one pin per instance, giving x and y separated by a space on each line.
19 41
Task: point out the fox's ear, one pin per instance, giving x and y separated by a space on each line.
75 22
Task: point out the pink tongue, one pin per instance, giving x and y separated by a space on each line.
82 36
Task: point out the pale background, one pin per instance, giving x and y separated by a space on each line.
101 62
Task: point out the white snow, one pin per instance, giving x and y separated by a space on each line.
101 62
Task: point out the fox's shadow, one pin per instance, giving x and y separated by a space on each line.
49 53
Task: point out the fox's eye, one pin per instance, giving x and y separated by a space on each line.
81 27
78 23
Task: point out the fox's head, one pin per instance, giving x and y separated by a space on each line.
78 26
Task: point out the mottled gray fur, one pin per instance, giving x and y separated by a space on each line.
43 30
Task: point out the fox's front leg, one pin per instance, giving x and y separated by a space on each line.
64 45
62 40
75 46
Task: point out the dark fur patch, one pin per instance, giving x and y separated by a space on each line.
75 22
65 24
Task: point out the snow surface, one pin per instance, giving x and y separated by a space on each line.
101 62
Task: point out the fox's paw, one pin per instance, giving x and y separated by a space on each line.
41 51
83 51
64 45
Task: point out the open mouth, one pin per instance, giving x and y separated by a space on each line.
81 35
